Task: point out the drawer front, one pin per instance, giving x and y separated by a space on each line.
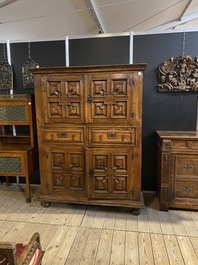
11 165
67 135
187 166
176 144
186 189
109 135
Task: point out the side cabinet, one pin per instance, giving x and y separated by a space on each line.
177 169
89 123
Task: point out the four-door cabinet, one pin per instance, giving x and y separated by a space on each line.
89 123
18 139
177 169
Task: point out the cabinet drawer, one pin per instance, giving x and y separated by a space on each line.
176 144
112 135
68 135
186 189
187 166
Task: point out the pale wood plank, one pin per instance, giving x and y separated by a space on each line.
131 222
99 219
187 250
173 250
165 223
104 248
78 246
65 246
118 246
154 222
109 222
120 221
90 250
188 223
195 218
78 216
54 244
143 222
88 217
176 221
194 242
5 228
145 249
131 248
159 250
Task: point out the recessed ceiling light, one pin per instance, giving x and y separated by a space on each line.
6 2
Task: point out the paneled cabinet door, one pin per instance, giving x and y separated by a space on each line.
109 173
109 98
65 171
63 101
184 179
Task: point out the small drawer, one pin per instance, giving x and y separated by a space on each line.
186 189
112 135
187 166
185 145
67 135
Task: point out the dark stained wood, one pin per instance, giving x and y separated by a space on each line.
177 170
89 122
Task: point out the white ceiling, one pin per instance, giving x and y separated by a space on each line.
34 20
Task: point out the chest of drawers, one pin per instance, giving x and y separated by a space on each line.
177 169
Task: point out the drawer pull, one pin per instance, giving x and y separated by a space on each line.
100 138
111 135
62 134
123 137
187 167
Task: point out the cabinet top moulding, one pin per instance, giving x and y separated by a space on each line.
88 69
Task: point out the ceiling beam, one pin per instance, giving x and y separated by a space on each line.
175 23
94 12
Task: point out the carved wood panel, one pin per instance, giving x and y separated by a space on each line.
109 173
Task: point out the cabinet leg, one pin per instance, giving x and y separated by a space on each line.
136 211
45 204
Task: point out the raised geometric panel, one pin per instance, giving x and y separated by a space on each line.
76 181
55 109
120 184
99 110
76 161
58 160
99 88
100 162
119 87
59 180
101 184
119 163
54 89
119 109
73 88
73 109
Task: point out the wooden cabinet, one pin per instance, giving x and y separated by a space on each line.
89 130
178 169
18 139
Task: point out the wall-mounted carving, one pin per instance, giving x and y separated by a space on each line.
28 79
6 76
178 74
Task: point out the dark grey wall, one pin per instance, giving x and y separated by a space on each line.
161 111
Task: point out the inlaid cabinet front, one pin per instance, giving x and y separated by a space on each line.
89 131
178 169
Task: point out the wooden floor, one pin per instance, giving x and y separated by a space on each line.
76 234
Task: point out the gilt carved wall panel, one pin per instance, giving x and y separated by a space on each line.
178 74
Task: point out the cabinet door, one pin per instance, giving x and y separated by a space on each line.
63 99
64 171
185 178
109 98
112 174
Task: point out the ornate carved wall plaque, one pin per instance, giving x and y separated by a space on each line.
28 80
6 76
178 74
